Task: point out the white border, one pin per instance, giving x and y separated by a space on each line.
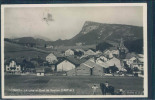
144 5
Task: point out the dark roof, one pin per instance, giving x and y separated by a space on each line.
76 60
113 48
38 70
18 61
73 60
130 55
92 49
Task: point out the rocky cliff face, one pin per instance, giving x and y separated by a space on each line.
93 32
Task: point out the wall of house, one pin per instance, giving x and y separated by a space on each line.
83 70
89 52
65 66
98 71
51 59
11 65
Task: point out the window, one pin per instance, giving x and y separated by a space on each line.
8 68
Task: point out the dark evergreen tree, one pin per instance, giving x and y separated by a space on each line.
103 46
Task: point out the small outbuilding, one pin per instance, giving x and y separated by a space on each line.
40 71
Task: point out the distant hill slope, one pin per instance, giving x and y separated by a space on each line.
13 50
12 47
29 40
93 33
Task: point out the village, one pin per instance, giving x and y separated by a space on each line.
114 61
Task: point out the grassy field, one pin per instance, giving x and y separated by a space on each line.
13 50
58 85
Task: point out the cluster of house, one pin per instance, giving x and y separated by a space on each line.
80 62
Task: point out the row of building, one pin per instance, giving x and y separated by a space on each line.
79 62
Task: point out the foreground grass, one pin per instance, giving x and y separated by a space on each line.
77 85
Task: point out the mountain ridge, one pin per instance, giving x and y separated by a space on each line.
94 33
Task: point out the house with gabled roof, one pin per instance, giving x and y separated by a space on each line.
65 65
90 52
13 67
114 61
89 67
51 58
69 52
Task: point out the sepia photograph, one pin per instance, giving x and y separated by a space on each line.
74 50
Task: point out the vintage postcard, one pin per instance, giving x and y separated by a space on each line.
74 50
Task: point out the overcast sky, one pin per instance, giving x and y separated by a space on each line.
68 21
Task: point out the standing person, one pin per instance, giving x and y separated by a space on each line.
120 91
106 84
94 87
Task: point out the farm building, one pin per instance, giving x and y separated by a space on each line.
97 69
69 52
90 52
87 68
65 65
51 58
13 67
84 69
114 61
40 71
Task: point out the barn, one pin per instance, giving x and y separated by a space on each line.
87 68
90 52
97 69
65 65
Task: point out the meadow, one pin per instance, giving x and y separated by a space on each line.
66 85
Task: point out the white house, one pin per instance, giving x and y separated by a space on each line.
13 67
51 58
90 52
69 52
65 65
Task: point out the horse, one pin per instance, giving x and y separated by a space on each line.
105 90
